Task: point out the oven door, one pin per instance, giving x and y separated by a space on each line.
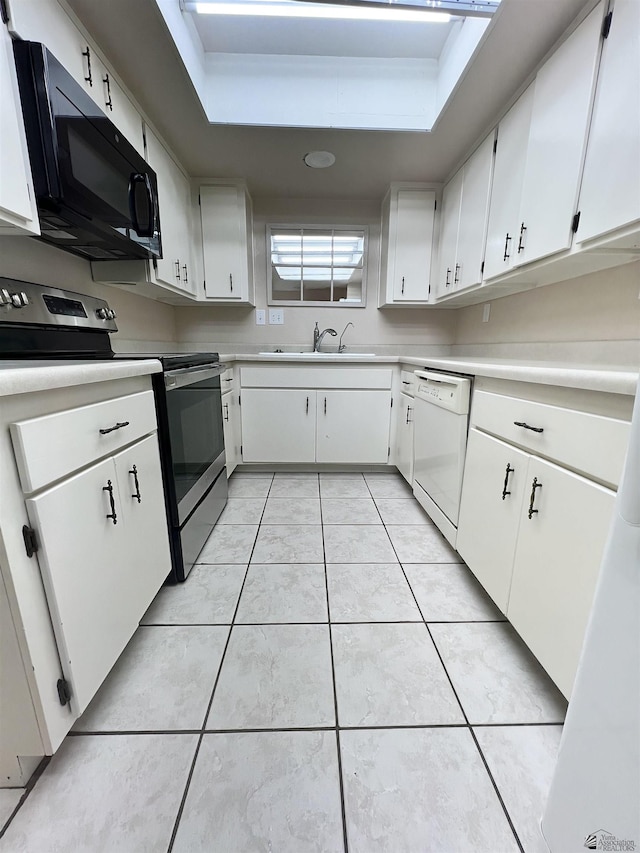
194 411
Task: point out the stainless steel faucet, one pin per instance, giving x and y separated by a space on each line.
342 347
318 336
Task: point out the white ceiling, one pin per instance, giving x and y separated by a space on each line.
298 36
134 37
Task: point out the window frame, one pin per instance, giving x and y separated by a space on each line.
272 227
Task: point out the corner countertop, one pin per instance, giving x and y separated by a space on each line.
22 377
609 379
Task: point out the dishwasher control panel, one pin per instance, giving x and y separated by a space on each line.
444 390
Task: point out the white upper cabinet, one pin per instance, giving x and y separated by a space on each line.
227 243
174 200
561 103
49 22
464 222
506 189
610 193
408 216
18 213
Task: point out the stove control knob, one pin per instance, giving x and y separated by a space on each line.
5 297
102 313
111 313
19 300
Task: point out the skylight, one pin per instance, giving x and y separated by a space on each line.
432 11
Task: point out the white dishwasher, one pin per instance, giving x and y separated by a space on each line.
440 443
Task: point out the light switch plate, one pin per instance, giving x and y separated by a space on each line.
260 317
276 316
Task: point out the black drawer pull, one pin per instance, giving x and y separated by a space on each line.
89 77
509 470
523 228
409 409
526 426
506 255
137 495
535 485
119 425
112 515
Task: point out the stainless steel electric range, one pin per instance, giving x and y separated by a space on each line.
48 323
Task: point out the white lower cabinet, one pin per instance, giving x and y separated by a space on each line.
563 530
492 494
231 427
532 531
404 438
310 425
103 557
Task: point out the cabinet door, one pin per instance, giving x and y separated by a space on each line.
412 245
86 575
174 200
557 136
278 425
474 208
117 106
506 187
16 206
404 438
610 194
144 519
490 510
353 426
224 243
231 424
556 567
449 224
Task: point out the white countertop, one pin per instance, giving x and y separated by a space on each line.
22 377
613 380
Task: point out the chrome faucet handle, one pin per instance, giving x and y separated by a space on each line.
342 347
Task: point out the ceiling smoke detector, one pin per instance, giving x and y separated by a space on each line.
319 159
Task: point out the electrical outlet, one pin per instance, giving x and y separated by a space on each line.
486 312
261 316
276 316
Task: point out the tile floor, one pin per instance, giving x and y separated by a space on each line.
330 678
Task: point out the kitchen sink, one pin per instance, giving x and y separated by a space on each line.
319 355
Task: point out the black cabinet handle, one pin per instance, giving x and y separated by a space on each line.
506 480
231 282
119 425
307 410
108 102
137 495
446 281
186 275
177 266
456 278
325 405
402 284
523 228
112 515
89 77
226 411
506 255
526 426
535 485
409 409
406 382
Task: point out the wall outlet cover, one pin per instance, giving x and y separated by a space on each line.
276 316
261 317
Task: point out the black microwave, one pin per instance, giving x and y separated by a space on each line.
96 195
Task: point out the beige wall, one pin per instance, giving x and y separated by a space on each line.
226 327
140 320
597 313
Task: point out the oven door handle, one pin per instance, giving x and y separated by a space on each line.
188 375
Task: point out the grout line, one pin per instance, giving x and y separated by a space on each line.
213 691
345 838
35 776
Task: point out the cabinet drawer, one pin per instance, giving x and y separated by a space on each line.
315 377
50 447
591 444
408 382
227 382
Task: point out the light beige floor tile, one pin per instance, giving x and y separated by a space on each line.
421 544
349 511
208 597
357 544
229 543
249 487
275 676
496 677
426 790
390 675
292 511
163 680
522 760
302 486
242 511
388 486
103 794
338 486
289 543
402 511
447 592
264 791
283 593
9 799
373 592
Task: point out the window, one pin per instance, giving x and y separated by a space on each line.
316 265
